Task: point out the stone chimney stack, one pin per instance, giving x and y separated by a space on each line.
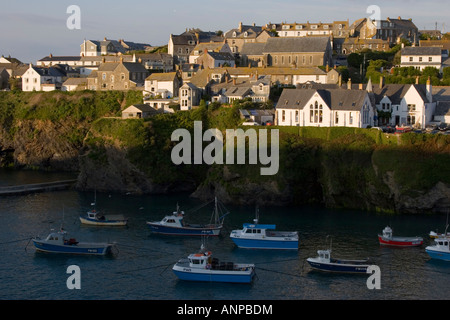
381 82
349 84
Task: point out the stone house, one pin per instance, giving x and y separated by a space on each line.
208 47
117 76
236 38
138 111
298 52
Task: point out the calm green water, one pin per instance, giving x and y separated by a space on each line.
142 267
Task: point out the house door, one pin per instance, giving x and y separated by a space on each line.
397 120
139 114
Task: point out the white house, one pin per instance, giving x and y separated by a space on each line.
42 79
165 85
138 111
72 84
189 96
421 57
408 104
325 108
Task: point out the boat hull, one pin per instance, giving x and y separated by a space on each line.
400 242
184 231
337 267
96 222
80 248
266 243
190 274
437 254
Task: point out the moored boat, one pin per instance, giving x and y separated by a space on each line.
93 217
174 224
264 236
325 262
201 266
58 242
388 239
440 250
96 218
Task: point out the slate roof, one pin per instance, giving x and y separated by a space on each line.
336 99
301 44
253 48
396 92
167 76
442 108
421 51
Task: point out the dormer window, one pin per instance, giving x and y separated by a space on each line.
234 34
245 34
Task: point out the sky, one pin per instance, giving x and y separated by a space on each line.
31 30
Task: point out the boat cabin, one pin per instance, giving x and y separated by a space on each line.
200 260
324 255
257 229
387 232
95 215
173 220
442 242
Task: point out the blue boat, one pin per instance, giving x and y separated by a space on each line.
324 262
57 242
93 217
440 250
174 224
202 266
264 236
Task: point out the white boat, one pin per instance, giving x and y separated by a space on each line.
441 248
201 266
93 217
325 262
264 236
58 242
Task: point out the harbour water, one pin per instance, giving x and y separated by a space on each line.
141 267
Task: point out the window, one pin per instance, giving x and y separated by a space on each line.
430 59
296 116
283 115
104 76
410 59
350 119
420 59
315 113
310 59
336 119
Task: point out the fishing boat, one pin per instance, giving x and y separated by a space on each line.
441 248
93 217
174 224
388 239
201 266
264 236
325 262
58 242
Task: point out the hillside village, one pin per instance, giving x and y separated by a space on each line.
368 73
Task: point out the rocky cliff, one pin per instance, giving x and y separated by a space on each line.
337 167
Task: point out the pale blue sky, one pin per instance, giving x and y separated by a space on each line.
30 30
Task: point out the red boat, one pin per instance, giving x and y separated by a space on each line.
387 239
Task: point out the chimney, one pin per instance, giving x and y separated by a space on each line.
234 81
340 81
328 68
240 26
381 82
417 79
360 86
349 84
51 55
